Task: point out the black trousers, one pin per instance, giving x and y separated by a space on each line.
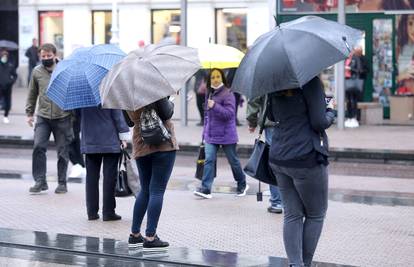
110 172
5 93
352 97
75 155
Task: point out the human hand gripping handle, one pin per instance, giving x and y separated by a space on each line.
30 120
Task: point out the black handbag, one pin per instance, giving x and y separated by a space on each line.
258 164
121 187
200 163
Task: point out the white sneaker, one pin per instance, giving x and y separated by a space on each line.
83 173
355 123
76 171
6 120
348 123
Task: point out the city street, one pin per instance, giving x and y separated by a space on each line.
354 234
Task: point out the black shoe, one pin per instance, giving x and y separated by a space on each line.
135 242
93 217
242 190
238 123
61 189
155 245
38 186
200 123
275 209
202 192
112 217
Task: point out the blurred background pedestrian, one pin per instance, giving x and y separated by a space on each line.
8 77
32 53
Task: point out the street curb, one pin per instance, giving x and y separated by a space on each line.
244 151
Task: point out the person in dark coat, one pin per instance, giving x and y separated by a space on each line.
299 157
220 130
104 133
8 77
200 89
32 53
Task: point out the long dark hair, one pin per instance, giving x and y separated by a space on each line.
402 32
223 78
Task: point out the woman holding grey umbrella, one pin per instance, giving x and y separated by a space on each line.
155 163
299 158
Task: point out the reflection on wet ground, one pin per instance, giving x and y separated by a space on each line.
19 247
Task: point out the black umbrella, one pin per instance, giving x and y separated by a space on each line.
8 45
292 54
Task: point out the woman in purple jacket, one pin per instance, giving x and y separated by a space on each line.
220 130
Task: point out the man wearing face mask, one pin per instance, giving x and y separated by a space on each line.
7 78
49 119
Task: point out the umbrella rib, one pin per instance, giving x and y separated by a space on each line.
316 36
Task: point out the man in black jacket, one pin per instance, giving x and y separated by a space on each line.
7 78
33 55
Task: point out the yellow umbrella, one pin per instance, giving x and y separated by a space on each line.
219 56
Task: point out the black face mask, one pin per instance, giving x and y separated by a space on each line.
48 62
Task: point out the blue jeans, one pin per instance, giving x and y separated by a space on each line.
305 200
211 156
154 172
275 198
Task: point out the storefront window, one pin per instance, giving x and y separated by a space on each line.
51 29
382 67
101 29
231 27
166 26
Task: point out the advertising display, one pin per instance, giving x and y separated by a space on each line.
321 6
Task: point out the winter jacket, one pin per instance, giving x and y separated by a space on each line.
102 130
165 110
220 121
39 81
254 112
8 74
301 119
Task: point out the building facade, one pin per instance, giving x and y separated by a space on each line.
76 23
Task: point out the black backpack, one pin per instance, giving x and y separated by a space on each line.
153 130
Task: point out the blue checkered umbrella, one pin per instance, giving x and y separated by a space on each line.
75 81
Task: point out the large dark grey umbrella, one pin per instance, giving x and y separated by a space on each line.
147 75
292 54
8 45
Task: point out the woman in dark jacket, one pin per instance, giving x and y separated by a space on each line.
104 131
299 158
155 164
220 130
7 78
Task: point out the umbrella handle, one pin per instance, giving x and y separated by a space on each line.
346 44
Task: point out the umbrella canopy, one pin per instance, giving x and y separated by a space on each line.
8 45
147 75
219 56
75 81
292 54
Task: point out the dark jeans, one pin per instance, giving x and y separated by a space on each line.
5 93
211 159
75 155
154 172
62 133
110 172
305 200
275 198
352 97
200 100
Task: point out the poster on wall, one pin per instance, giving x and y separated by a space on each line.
317 6
405 53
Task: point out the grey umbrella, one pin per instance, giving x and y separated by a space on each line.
292 54
147 75
8 45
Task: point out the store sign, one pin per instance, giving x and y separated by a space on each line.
352 6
